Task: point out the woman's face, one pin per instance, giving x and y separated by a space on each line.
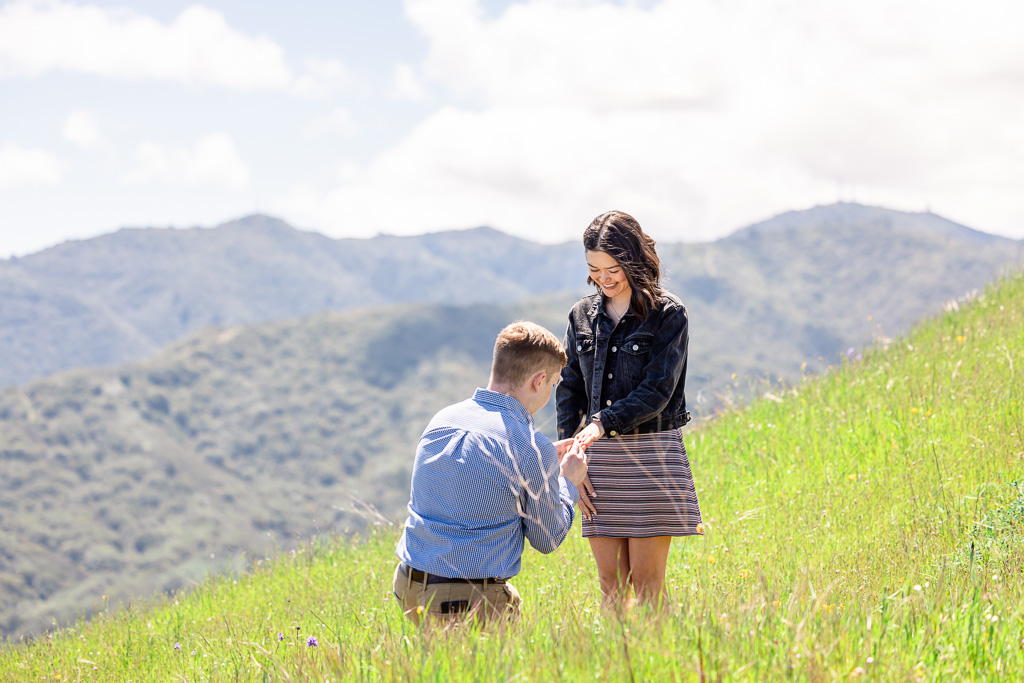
606 272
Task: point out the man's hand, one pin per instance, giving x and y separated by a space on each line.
570 448
573 465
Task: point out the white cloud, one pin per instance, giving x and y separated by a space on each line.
197 48
338 122
20 166
213 162
82 130
699 116
322 77
407 85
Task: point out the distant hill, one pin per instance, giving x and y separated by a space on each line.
242 437
122 296
807 284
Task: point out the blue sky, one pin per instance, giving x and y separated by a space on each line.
355 118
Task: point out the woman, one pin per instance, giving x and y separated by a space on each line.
621 395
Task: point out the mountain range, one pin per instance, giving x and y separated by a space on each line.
123 296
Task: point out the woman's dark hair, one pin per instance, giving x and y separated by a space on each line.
620 236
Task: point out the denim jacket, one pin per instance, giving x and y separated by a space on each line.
633 373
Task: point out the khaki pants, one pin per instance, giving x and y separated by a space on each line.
452 602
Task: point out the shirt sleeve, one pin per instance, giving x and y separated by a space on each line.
571 392
664 370
548 511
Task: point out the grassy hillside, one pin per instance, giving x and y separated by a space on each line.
868 522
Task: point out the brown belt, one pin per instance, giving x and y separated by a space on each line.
423 577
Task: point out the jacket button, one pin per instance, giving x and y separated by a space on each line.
614 349
609 375
635 347
579 347
608 402
612 433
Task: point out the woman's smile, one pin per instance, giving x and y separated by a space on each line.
607 272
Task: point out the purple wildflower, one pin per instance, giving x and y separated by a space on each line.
311 641
860 357
849 351
177 646
280 636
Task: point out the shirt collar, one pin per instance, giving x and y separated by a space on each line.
505 402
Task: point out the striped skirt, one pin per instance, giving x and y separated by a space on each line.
644 487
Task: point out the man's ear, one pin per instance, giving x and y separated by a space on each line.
538 379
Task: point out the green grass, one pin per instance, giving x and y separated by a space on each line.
868 522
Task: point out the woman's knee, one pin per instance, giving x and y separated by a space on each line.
613 576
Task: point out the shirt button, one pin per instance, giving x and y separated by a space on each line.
612 433
608 402
614 349
635 347
609 375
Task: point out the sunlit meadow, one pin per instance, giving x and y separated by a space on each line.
867 522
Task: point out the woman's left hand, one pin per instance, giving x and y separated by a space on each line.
591 433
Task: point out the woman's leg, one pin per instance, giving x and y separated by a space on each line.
648 558
612 558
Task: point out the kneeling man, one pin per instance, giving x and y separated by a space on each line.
484 480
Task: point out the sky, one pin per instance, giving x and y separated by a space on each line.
360 117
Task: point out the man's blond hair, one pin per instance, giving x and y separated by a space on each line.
522 349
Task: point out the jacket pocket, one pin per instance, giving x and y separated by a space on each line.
584 345
585 352
636 351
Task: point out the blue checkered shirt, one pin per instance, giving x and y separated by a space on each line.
484 479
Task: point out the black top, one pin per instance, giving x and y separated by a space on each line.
633 372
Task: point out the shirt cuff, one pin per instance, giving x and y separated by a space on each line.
567 489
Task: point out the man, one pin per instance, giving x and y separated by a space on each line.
484 480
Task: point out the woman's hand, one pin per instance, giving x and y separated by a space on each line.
586 505
586 489
591 433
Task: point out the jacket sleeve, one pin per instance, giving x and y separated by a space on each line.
547 510
571 392
664 370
